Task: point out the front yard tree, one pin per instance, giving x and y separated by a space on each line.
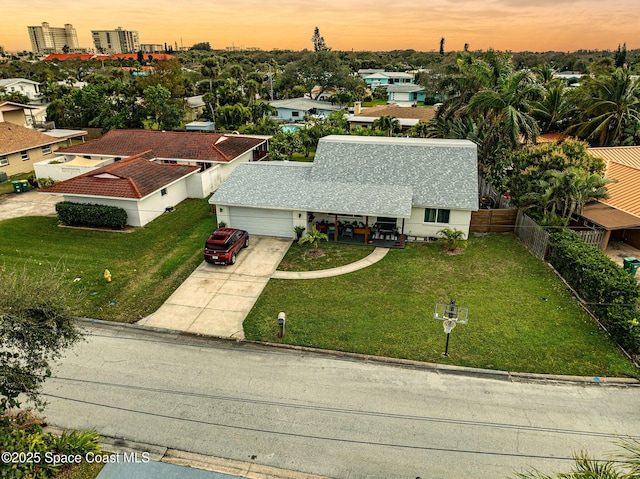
35 329
324 69
283 145
555 180
166 113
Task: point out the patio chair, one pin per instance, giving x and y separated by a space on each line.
347 231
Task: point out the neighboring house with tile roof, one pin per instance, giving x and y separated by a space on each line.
295 109
143 188
407 116
619 214
405 94
216 155
21 147
417 186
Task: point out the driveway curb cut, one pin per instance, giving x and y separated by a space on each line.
409 363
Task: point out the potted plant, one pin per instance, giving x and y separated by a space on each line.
299 230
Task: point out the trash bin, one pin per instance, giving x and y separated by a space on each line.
631 265
17 186
25 185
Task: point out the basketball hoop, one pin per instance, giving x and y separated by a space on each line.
450 314
448 325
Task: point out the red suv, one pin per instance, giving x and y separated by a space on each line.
223 245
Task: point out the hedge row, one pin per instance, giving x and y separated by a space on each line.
82 214
611 292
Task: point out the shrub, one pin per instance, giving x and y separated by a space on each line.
82 214
16 437
611 292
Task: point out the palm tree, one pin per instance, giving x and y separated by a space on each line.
507 109
452 238
622 466
555 108
386 123
611 105
420 129
313 237
251 89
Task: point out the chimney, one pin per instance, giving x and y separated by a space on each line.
357 107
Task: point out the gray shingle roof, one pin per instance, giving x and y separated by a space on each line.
286 185
441 173
373 176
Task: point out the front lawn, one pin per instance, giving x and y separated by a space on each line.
522 318
146 265
300 258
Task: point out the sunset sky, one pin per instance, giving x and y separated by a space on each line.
516 25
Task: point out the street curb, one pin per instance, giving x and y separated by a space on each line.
408 363
249 470
233 467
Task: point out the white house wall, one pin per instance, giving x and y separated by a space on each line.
141 212
204 183
132 207
61 172
415 225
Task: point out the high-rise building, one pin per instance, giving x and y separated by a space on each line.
116 41
46 39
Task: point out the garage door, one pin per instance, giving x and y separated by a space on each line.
259 221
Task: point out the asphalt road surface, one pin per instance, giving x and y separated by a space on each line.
337 417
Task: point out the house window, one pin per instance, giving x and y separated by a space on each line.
24 155
434 215
46 150
295 113
163 191
4 160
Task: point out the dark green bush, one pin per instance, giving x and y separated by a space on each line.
83 214
611 292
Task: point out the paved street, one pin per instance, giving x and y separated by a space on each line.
331 416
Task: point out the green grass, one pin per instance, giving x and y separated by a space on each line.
335 255
84 470
146 265
386 309
374 103
302 157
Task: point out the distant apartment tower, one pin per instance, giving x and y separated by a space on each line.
152 48
46 39
116 41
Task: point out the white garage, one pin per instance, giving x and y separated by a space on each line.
261 221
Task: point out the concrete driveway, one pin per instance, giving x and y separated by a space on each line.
215 300
30 203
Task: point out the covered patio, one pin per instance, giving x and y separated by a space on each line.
359 229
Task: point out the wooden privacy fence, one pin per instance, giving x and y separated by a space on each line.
493 221
536 238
